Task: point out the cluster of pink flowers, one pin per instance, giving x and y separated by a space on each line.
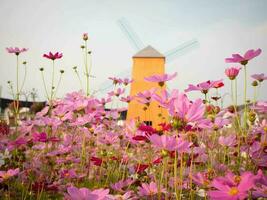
76 149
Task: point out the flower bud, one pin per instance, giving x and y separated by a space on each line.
85 36
61 71
254 83
252 116
24 63
41 69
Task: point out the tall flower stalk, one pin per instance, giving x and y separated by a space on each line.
17 52
52 57
87 70
243 60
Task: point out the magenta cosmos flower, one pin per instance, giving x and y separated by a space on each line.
161 79
16 50
232 72
52 56
259 77
243 60
232 187
4 175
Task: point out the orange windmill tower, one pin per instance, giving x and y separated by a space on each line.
147 62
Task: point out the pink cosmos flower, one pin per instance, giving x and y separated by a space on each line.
228 141
232 72
127 99
261 106
185 110
39 137
117 92
85 194
250 54
232 187
201 179
17 143
109 138
203 87
165 98
259 77
116 80
126 81
4 175
68 173
52 56
118 186
150 189
145 97
169 143
163 142
16 50
161 79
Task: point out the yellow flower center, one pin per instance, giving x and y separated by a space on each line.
233 191
5 176
237 179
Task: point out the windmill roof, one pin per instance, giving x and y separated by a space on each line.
148 52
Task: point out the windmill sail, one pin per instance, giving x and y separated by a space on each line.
181 50
139 45
130 34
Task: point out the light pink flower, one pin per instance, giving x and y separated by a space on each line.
259 77
232 72
165 98
204 87
16 50
126 81
150 189
117 92
127 99
85 194
4 175
228 141
169 143
185 110
250 54
116 80
145 97
161 79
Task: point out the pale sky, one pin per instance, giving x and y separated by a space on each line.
221 28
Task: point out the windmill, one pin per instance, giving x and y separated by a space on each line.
138 45
147 62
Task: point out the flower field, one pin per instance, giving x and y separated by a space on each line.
76 149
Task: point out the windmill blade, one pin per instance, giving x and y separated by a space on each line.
181 50
130 34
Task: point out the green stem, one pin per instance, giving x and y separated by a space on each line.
255 95
59 81
52 84
24 79
47 96
245 97
86 71
79 78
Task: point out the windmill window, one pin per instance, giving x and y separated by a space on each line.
148 123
